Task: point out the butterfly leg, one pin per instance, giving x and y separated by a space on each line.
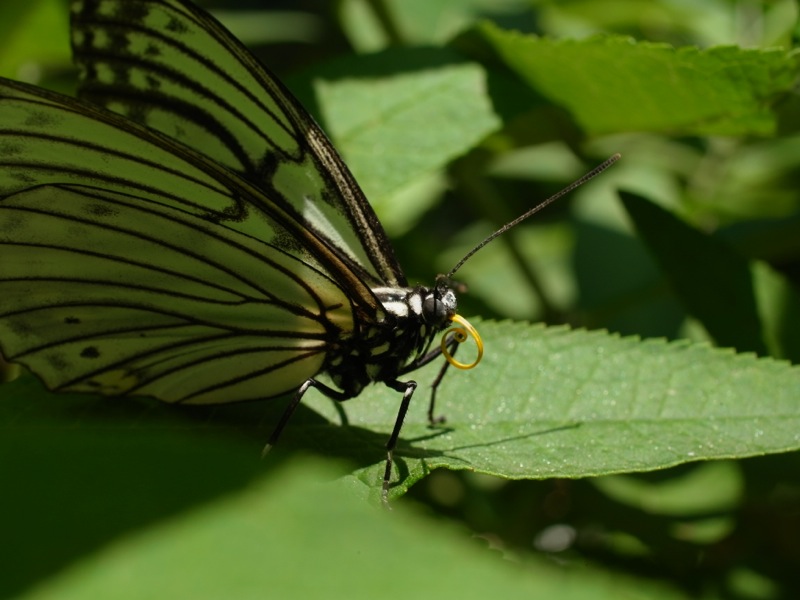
407 387
452 347
433 420
289 411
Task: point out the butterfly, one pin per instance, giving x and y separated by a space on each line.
184 230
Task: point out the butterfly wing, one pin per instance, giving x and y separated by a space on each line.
129 264
175 69
219 268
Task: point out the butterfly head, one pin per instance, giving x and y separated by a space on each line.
440 304
439 308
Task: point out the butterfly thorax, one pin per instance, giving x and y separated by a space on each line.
381 351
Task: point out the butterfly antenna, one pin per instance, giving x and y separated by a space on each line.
575 184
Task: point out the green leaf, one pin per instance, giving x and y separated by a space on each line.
293 537
372 26
644 86
710 278
545 402
779 307
35 35
555 402
375 107
711 487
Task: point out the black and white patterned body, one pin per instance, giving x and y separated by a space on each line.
381 352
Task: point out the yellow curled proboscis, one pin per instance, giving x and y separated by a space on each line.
461 334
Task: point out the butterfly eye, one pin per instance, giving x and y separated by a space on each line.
439 307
